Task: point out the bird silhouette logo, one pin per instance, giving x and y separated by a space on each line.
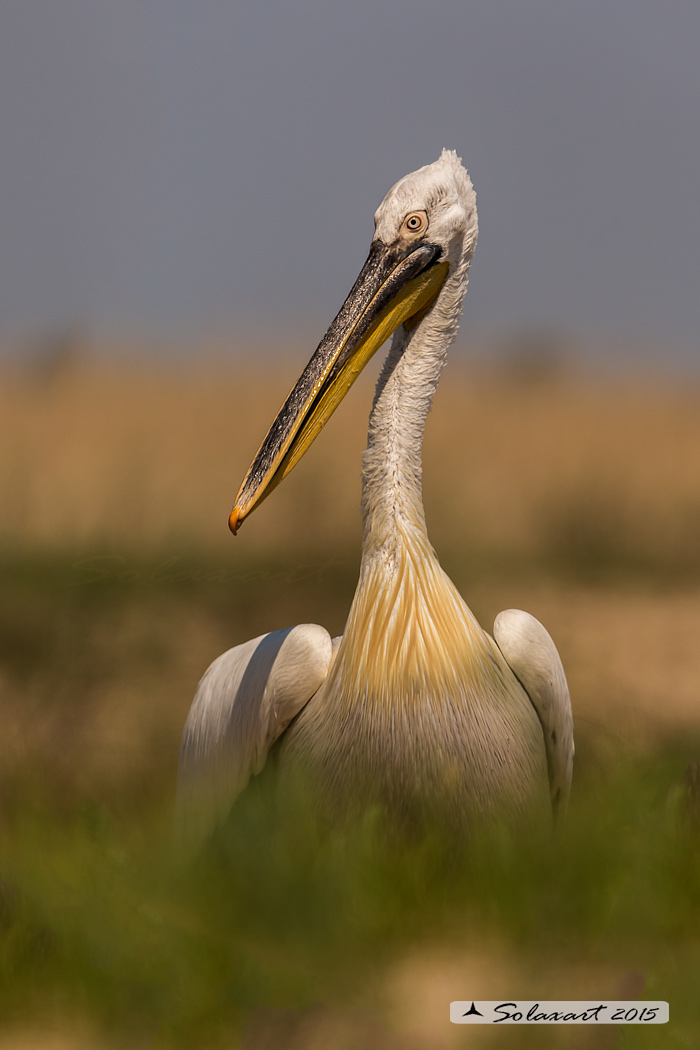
472 1011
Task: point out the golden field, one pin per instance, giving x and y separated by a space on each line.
137 453
575 497
578 499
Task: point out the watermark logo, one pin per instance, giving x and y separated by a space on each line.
555 1012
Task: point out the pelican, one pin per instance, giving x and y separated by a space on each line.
415 706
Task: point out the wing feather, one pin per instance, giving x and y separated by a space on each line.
244 702
533 658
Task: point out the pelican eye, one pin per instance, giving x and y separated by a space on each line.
416 222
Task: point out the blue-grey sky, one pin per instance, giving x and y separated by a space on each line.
171 165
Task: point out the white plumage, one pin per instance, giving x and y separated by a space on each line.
416 707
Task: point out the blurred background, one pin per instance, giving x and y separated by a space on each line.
186 197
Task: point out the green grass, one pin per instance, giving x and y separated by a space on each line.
101 916
102 920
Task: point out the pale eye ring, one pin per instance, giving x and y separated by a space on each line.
415 222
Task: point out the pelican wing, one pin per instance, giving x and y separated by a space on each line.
244 702
534 660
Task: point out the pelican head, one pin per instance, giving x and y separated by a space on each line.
425 234
435 203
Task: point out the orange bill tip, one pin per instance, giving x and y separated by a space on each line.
234 521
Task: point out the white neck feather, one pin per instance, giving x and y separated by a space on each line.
392 502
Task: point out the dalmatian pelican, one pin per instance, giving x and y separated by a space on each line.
415 705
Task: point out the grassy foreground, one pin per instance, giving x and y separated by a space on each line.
115 594
103 924
109 934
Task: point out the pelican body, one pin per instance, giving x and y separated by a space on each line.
415 706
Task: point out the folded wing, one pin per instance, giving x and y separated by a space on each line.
244 702
533 658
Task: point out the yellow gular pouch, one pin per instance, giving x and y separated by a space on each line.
408 307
